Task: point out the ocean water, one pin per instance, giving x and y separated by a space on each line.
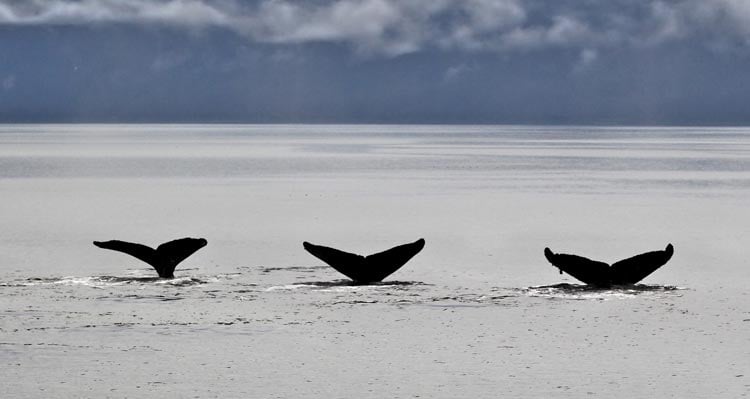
478 313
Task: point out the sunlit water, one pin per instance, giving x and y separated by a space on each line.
479 313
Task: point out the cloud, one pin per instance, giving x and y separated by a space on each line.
454 72
72 12
170 60
396 27
588 56
586 60
8 82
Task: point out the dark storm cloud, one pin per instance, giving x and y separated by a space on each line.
395 27
468 61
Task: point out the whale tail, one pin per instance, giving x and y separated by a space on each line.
589 271
164 259
634 269
625 272
366 269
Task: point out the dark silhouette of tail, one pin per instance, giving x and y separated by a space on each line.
625 272
632 270
164 258
589 271
366 269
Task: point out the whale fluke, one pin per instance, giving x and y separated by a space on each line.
589 271
635 269
366 269
164 258
625 272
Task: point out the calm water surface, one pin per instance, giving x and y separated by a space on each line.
478 313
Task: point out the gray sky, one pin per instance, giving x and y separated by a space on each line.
421 61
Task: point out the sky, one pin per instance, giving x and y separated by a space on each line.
615 62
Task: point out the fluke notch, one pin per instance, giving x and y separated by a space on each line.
366 269
625 272
164 258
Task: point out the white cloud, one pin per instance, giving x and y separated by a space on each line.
586 60
670 22
394 27
178 12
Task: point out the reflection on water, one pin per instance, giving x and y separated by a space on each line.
255 283
294 269
345 283
104 281
584 292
